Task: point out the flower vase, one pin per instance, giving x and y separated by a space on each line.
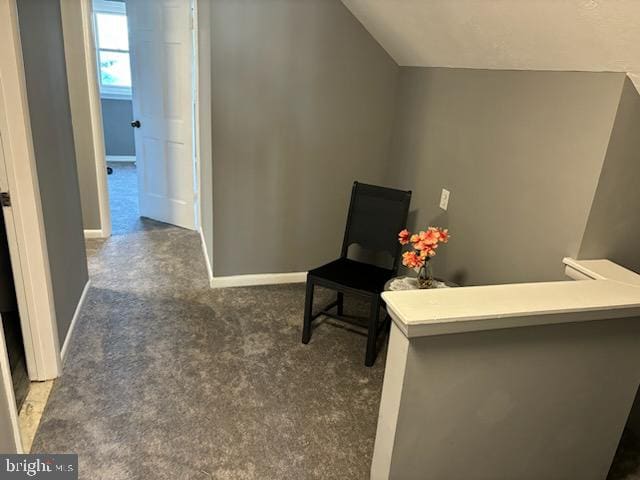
425 276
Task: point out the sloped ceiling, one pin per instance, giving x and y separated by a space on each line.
583 35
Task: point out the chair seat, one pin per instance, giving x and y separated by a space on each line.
353 274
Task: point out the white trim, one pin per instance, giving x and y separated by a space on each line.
14 253
195 114
76 314
95 234
95 108
115 93
110 7
394 375
258 279
38 319
599 269
121 158
206 257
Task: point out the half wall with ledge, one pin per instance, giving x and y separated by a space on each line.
523 381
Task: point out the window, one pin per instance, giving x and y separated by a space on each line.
112 42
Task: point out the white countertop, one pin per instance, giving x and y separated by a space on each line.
455 310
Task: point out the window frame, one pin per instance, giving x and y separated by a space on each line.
113 92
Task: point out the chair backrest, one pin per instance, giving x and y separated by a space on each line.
376 216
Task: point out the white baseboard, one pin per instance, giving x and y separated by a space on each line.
206 257
76 314
258 279
248 280
94 234
121 158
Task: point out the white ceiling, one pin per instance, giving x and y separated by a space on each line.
585 35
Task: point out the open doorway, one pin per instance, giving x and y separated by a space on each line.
113 56
145 70
10 319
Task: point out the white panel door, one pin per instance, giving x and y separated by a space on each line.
161 50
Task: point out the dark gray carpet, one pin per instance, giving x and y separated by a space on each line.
168 379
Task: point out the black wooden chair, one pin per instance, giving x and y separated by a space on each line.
376 216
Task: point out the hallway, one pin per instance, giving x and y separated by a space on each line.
166 378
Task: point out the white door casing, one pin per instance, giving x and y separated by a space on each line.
95 111
160 43
9 429
12 241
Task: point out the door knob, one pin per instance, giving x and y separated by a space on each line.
135 124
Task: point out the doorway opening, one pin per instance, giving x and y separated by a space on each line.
115 86
145 56
10 318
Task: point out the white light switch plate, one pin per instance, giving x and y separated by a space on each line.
444 199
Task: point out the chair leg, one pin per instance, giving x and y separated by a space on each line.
340 303
308 307
372 334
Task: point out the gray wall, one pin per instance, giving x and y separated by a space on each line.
118 133
302 100
544 402
521 153
51 126
80 112
613 230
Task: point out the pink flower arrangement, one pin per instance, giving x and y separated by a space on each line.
424 245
